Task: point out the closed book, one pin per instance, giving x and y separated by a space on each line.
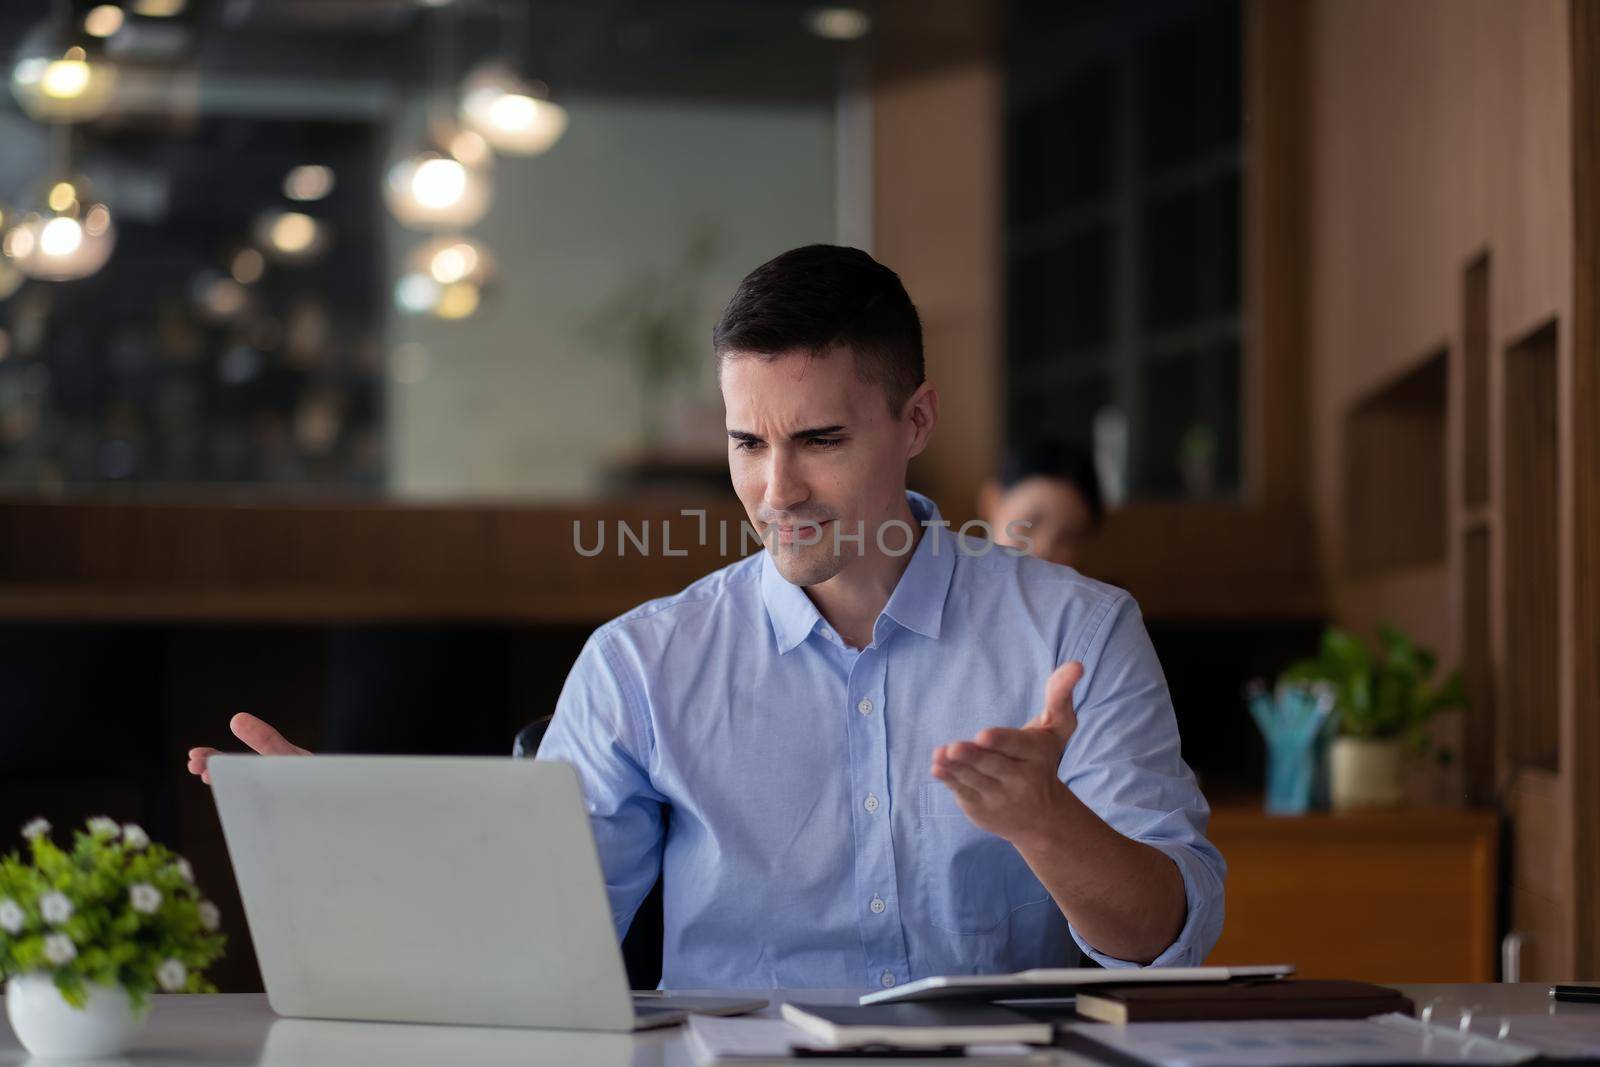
1282 999
917 1025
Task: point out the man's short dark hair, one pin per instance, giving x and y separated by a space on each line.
823 296
1064 462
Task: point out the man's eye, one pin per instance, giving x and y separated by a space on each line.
746 446
825 442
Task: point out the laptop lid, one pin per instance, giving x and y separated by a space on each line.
423 889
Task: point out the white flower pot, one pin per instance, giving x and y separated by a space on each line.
49 1027
1366 773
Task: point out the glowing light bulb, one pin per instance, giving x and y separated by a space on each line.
293 232
62 196
439 183
839 23
308 182
61 236
65 79
457 301
513 115
453 262
103 21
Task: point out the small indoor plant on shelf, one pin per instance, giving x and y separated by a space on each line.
1383 704
87 934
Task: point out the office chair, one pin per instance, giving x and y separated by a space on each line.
642 947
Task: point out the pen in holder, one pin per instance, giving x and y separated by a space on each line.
1291 720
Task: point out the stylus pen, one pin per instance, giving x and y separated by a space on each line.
1580 994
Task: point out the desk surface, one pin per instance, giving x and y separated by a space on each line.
240 1029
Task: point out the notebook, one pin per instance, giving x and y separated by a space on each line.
916 1025
1249 1000
750 1040
1059 981
1385 1039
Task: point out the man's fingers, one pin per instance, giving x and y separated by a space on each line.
971 796
198 758
996 765
262 737
974 780
1032 744
1059 715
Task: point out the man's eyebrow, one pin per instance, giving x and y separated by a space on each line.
798 435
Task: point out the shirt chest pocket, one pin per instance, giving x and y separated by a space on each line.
972 879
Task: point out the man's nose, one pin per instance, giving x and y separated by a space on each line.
786 487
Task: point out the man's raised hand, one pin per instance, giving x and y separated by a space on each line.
260 736
1005 779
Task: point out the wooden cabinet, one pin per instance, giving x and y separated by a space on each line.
1385 897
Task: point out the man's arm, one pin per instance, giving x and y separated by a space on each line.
601 729
1103 810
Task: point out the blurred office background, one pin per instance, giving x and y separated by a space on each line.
323 321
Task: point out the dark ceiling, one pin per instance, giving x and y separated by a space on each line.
751 50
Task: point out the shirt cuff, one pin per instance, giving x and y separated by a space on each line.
1202 892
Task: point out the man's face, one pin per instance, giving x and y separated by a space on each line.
810 442
1058 516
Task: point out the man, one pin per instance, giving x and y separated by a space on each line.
1050 494
888 753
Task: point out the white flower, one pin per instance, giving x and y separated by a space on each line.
210 917
55 907
100 826
36 828
185 870
11 916
134 836
144 897
171 975
59 949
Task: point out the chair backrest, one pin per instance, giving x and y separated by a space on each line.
526 744
642 946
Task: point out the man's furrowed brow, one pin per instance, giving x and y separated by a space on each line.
798 435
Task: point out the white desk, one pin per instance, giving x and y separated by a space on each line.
239 1029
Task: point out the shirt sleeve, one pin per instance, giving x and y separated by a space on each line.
1124 761
600 729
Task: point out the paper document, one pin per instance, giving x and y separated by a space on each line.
1388 1039
753 1038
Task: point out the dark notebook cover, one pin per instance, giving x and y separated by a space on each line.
1282 999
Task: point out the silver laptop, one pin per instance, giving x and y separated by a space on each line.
430 890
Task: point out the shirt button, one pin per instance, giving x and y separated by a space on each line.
865 707
887 979
877 905
827 634
871 803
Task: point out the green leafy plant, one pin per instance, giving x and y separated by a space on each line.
115 910
1387 695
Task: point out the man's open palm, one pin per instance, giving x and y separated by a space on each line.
260 736
1005 779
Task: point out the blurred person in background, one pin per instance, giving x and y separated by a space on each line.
1052 493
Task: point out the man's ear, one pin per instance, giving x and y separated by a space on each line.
988 500
922 411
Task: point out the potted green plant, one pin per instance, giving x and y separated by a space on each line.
87 934
1383 704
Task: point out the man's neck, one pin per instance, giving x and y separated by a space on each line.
852 600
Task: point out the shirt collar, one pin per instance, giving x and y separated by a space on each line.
918 599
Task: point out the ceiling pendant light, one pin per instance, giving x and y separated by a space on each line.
515 116
56 77
69 236
446 278
445 185
435 189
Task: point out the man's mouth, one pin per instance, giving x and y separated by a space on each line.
803 533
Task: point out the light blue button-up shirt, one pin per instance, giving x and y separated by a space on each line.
808 843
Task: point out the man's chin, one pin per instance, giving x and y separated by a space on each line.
805 565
